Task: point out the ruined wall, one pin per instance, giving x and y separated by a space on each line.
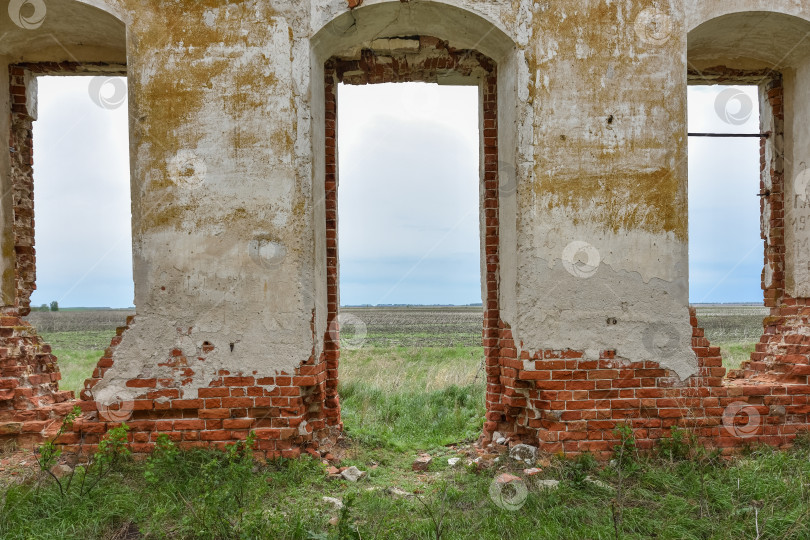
235 283
797 169
73 39
8 259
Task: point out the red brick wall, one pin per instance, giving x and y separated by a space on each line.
563 402
30 400
284 410
22 181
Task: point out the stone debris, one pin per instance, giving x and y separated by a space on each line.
532 472
598 483
483 462
352 474
525 453
453 461
337 503
396 492
547 484
61 470
422 463
507 478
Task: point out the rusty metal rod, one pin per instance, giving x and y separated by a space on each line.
758 135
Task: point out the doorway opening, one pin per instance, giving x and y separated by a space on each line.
726 188
410 281
416 215
83 234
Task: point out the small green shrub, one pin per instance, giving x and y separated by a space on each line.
625 453
578 469
678 446
112 450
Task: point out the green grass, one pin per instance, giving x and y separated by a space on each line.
76 366
398 402
77 354
95 340
418 369
735 352
206 494
421 339
411 398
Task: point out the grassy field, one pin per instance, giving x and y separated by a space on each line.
78 339
78 353
408 397
408 390
735 329
203 494
380 333
416 326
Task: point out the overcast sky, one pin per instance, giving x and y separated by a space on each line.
408 197
81 197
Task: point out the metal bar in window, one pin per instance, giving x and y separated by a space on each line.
757 135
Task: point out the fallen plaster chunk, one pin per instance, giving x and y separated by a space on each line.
352 474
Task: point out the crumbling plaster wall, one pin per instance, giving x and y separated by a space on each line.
797 174
226 115
221 190
602 219
8 257
225 194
